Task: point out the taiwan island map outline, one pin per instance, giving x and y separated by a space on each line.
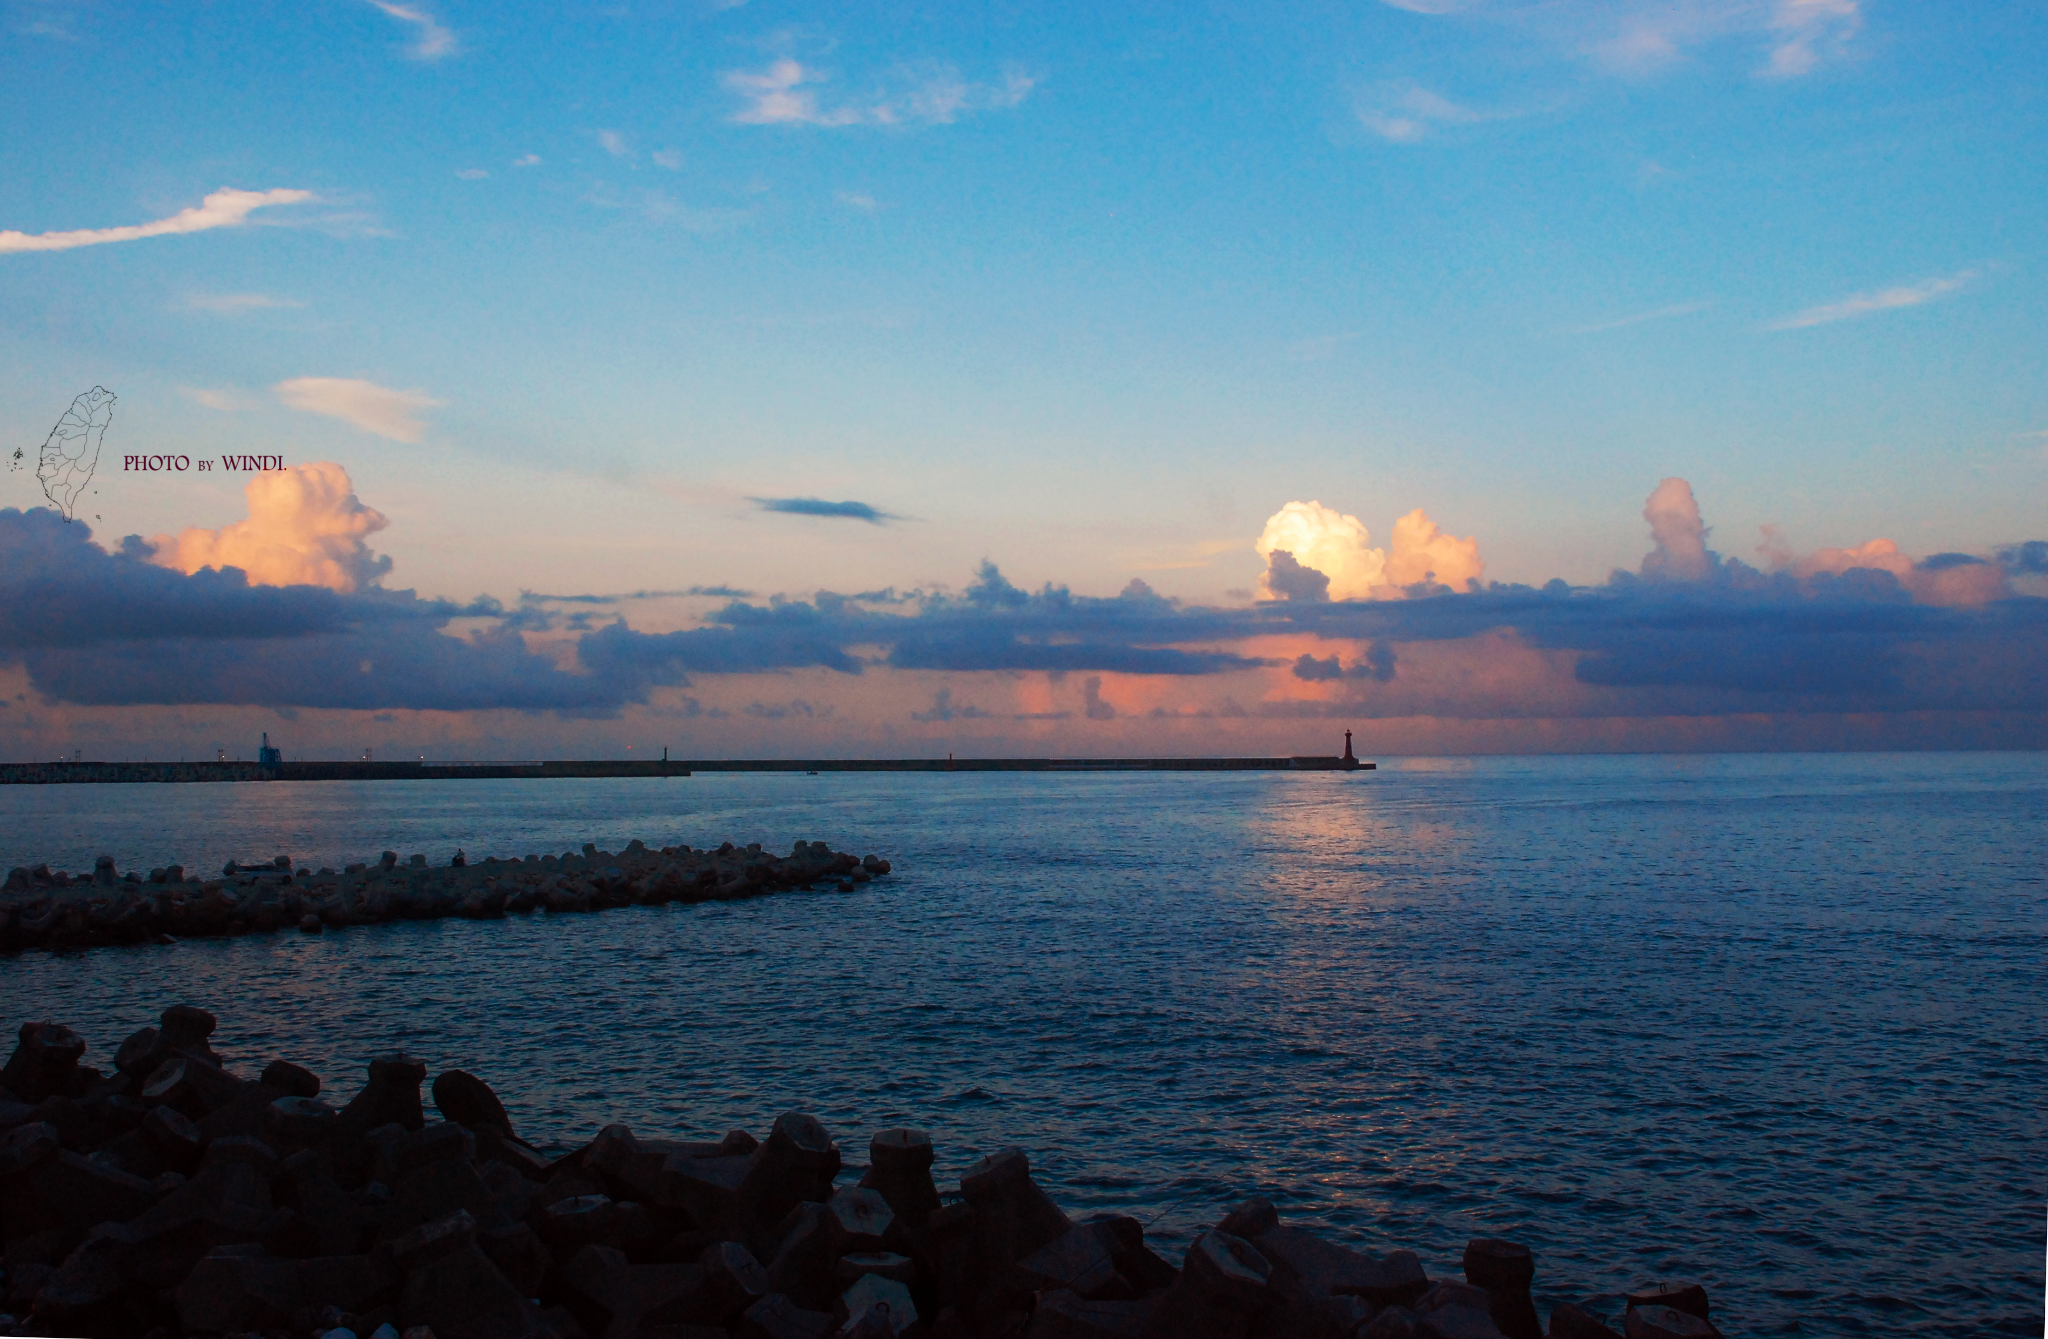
72 451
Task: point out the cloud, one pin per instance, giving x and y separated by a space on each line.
1091 693
96 628
1642 37
1867 633
672 159
1378 665
942 709
1405 112
1287 579
1305 542
613 143
660 208
1639 37
1640 318
1337 546
776 711
810 506
1805 30
1876 569
1865 304
226 401
1678 533
533 613
224 208
471 174
686 592
362 404
1423 558
233 304
928 95
433 42
2028 559
527 160
1940 579
857 200
305 528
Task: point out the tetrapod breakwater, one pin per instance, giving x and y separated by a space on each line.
175 1196
54 909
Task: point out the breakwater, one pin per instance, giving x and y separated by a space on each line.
72 773
44 908
174 1196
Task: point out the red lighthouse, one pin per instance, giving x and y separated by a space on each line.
1350 758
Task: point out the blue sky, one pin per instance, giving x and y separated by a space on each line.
1088 293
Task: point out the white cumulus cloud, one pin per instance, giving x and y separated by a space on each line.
362 404
1328 541
305 528
1322 544
224 208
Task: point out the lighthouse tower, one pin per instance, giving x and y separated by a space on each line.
1350 759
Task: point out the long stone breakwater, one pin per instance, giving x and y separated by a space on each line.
174 1197
41 908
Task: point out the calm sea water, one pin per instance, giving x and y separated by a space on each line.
1773 1023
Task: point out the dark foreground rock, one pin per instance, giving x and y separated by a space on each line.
42 908
175 1196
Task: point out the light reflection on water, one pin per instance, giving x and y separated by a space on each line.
1770 1022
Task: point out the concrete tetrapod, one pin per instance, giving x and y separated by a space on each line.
175 1198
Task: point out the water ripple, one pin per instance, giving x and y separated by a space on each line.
1772 1023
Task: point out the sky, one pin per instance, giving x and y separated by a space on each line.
779 380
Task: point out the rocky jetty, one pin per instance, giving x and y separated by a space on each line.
41 908
176 1197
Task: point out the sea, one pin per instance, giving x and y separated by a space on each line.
1775 1023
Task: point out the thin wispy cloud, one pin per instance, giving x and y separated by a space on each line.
860 200
1809 30
393 414
234 304
1404 112
663 208
527 160
1640 318
1644 37
222 209
471 173
672 159
613 143
783 94
223 401
53 28
1869 304
432 42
